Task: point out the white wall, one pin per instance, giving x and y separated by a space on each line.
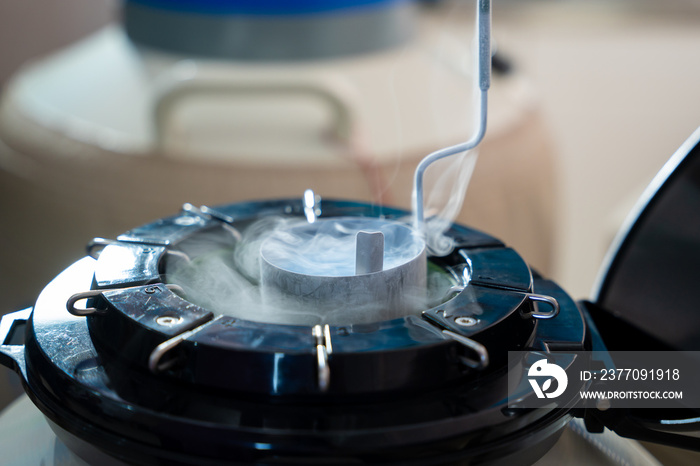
31 28
619 83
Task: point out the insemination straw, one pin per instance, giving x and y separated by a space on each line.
483 73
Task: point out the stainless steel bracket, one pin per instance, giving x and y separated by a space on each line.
324 348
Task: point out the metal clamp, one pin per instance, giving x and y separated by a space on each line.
95 243
11 349
324 348
454 290
177 289
312 205
462 274
91 247
70 304
541 298
154 360
207 213
481 360
179 254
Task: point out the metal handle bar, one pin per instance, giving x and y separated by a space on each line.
176 92
483 75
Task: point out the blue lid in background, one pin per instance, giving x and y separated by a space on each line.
269 30
263 7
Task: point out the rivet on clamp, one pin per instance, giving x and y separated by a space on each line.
324 348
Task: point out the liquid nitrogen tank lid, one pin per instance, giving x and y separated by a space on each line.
265 7
269 30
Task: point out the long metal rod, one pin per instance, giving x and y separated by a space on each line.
483 74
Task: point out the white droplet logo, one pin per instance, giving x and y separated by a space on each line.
542 369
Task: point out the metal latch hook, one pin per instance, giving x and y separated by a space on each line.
541 298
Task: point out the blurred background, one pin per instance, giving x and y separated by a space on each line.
112 116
